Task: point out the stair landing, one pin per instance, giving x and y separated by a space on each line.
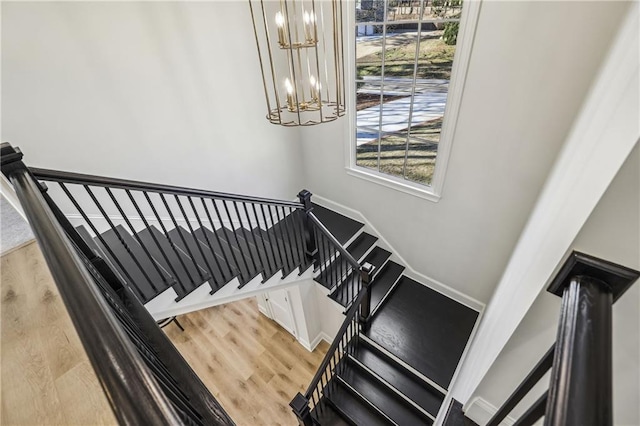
424 329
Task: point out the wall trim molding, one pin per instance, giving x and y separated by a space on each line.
603 135
481 411
409 271
315 342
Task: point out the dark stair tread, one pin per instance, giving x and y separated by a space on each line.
202 255
407 383
287 232
261 249
361 245
189 275
140 284
222 249
379 395
342 227
383 282
248 268
357 249
325 415
347 290
352 408
377 258
435 329
272 248
279 251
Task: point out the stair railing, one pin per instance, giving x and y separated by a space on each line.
580 387
330 250
144 377
355 323
125 207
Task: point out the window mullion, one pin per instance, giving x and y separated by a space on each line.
384 53
413 92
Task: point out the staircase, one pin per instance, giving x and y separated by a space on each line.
391 362
180 249
394 366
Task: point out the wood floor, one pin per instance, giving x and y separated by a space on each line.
249 363
46 376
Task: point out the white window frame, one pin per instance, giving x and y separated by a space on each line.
468 23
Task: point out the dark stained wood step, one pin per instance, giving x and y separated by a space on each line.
289 230
222 249
380 396
407 383
260 248
201 254
140 272
383 282
247 258
325 415
425 329
358 248
342 227
353 408
348 289
188 274
377 258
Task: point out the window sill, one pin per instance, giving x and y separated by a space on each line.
415 189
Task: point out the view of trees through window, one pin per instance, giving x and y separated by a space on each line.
404 57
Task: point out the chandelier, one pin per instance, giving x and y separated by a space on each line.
301 54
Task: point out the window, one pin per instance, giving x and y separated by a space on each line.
404 78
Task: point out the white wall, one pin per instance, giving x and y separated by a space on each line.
612 232
531 67
166 92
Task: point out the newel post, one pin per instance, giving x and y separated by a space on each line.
365 306
300 406
580 387
311 249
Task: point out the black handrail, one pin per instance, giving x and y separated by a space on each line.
336 244
349 317
145 379
134 395
108 182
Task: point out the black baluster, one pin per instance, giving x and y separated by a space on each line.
233 253
272 267
235 236
213 229
178 231
264 262
282 256
288 235
166 234
195 240
95 231
136 236
124 244
213 253
146 224
288 253
256 264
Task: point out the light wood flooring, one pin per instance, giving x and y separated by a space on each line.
251 365
46 376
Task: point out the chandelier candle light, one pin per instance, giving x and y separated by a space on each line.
301 55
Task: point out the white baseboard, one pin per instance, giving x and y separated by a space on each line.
481 411
409 271
315 342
